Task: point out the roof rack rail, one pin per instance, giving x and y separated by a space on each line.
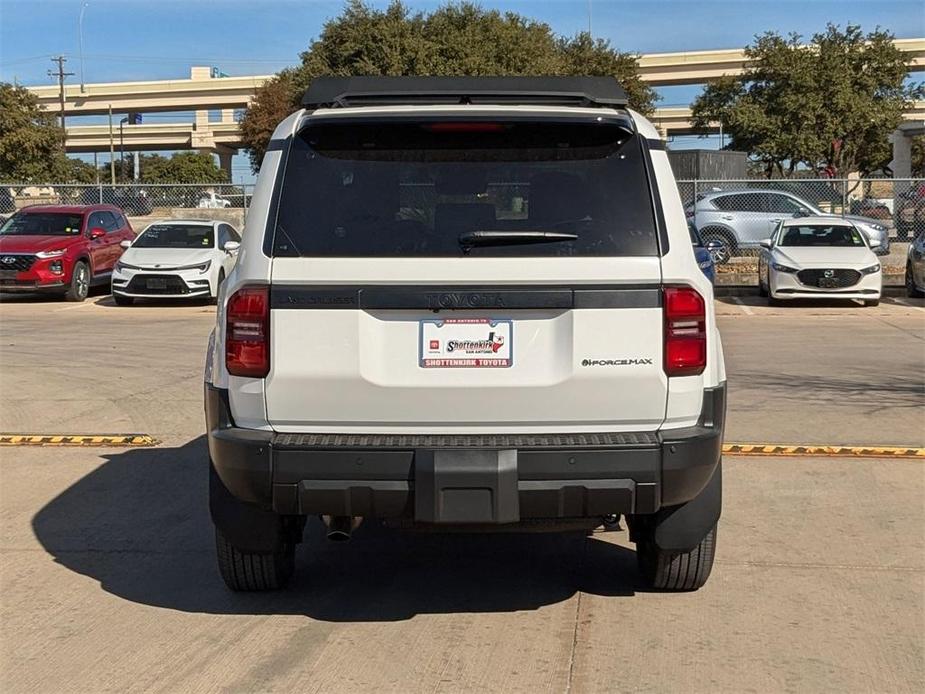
343 92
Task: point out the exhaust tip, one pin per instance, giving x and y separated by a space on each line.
340 528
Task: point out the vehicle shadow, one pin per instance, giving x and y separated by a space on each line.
109 302
139 524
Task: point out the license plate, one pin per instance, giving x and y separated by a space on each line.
466 343
8 274
828 283
157 283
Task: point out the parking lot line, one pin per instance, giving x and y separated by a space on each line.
119 440
745 309
765 449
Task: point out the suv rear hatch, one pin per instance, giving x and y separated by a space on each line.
455 273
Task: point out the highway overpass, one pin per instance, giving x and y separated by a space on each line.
204 92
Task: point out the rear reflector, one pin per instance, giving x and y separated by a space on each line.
685 332
247 332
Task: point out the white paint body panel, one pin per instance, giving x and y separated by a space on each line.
353 371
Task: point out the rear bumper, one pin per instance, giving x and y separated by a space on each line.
465 479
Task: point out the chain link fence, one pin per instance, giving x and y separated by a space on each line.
734 216
142 203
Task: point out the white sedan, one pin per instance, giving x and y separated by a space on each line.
818 258
175 259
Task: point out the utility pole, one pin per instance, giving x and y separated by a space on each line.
61 74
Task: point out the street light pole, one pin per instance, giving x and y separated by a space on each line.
122 148
112 153
80 38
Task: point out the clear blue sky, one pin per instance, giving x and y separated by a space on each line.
160 39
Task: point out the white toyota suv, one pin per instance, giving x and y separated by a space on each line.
465 303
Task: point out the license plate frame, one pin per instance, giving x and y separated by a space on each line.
8 274
466 343
156 283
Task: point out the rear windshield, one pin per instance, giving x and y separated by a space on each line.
842 236
418 189
175 236
42 224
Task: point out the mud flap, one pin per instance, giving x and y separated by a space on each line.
466 486
681 528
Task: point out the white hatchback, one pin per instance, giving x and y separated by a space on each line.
819 258
176 259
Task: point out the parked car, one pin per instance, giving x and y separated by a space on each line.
742 218
213 201
176 259
132 200
818 258
702 253
62 249
915 267
463 314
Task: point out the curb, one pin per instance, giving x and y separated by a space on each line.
781 450
98 440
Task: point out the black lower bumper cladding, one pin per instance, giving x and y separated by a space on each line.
463 479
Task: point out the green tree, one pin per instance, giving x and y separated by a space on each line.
182 167
828 106
31 149
455 39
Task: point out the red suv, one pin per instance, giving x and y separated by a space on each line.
61 248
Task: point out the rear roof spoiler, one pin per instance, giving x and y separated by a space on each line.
343 92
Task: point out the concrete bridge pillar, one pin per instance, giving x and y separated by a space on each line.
902 154
224 161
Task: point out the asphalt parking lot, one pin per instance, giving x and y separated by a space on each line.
108 582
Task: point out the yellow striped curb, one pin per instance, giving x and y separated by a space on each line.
831 451
118 440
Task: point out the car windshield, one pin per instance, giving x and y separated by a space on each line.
817 235
175 236
42 224
434 188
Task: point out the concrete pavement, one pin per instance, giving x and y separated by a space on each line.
108 582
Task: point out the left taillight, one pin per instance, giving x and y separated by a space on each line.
247 332
685 319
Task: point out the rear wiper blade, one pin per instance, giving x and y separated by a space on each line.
504 238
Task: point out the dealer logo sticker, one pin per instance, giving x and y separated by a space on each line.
473 343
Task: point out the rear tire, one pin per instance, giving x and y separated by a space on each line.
123 300
250 571
872 302
79 287
762 288
676 571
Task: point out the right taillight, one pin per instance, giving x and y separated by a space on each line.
685 332
247 332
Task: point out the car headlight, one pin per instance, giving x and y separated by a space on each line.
204 267
58 252
877 227
870 270
784 268
120 266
